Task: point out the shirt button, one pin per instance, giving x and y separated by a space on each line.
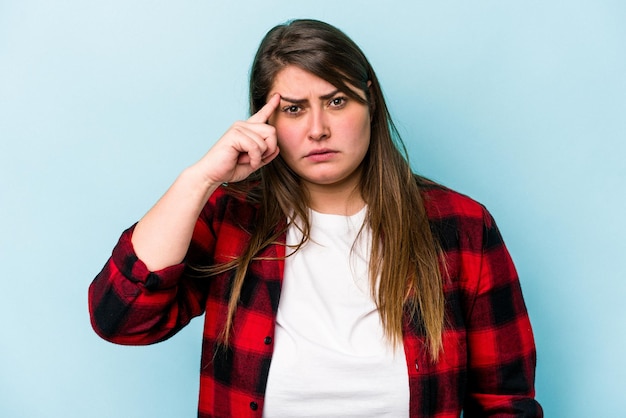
254 406
417 366
267 340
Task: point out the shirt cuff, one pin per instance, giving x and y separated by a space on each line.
135 270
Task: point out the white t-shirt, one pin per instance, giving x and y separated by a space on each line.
330 356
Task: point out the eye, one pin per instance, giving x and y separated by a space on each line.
291 109
337 102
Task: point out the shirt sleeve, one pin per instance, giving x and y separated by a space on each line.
128 304
501 347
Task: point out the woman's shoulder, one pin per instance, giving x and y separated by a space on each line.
442 202
236 193
232 204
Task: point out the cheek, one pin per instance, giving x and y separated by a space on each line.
287 136
357 128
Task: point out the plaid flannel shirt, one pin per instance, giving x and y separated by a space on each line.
487 367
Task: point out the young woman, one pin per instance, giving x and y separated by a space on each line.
334 281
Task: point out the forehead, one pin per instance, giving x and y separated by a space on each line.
294 81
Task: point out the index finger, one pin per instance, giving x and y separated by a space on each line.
266 111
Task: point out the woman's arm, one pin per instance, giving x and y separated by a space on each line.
501 347
162 236
141 296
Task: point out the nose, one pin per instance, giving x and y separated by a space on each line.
319 128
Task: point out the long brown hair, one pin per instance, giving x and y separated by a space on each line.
404 263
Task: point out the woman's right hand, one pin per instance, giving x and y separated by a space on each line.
244 148
161 238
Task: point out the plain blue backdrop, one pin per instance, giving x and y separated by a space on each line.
520 104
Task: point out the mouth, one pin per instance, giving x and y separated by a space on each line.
320 155
320 152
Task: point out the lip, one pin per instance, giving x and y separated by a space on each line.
320 151
321 154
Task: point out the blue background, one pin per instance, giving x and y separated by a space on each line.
520 104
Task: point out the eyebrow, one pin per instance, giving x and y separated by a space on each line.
299 101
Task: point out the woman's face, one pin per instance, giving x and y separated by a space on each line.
323 135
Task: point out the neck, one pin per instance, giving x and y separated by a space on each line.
335 199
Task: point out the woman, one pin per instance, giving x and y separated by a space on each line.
335 282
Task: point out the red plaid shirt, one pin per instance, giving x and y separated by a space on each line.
488 364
